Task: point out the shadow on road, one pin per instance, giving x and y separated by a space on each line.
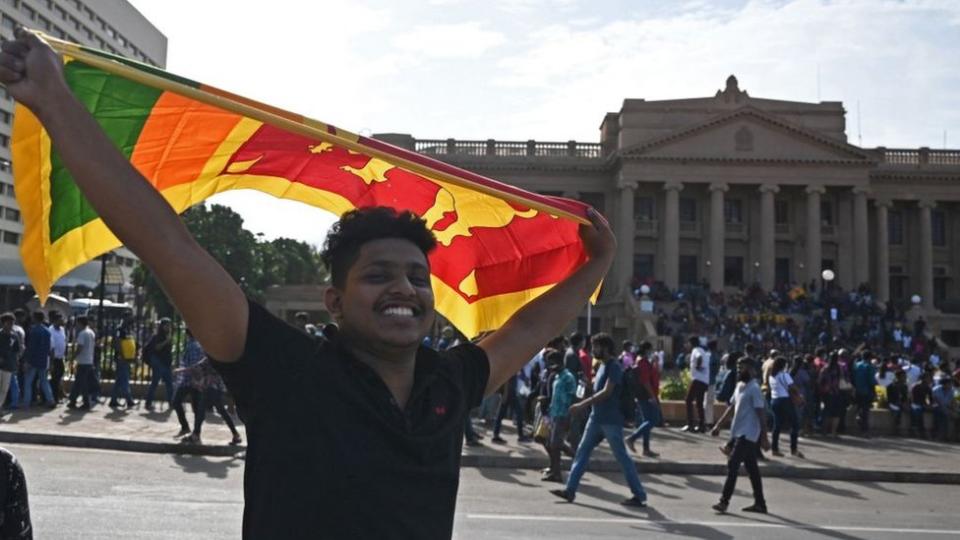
212 467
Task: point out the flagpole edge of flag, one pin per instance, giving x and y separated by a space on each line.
301 125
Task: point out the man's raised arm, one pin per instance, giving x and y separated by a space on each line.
510 347
212 304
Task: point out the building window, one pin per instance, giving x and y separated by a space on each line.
733 211
781 271
826 213
11 238
688 209
8 23
11 214
643 208
895 227
781 212
4 140
938 226
643 268
733 271
689 270
4 166
5 117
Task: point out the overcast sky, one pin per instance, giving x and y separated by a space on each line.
550 69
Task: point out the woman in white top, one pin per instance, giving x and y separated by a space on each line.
782 392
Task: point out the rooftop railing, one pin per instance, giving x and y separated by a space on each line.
490 147
919 156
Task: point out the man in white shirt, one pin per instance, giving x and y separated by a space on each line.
748 430
83 381
700 375
58 351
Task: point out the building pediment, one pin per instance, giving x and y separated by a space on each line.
747 134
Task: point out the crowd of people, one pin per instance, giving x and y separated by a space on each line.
581 390
36 353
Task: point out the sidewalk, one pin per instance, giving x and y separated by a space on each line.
880 459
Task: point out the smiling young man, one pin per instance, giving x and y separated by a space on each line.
356 437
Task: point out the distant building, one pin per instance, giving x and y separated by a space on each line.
731 189
114 26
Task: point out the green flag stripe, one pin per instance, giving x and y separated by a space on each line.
143 67
121 107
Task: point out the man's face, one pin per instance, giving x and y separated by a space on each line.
7 326
387 299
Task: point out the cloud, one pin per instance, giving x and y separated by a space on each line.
460 40
894 57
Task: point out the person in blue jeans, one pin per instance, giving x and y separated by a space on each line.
121 386
36 359
605 422
159 354
648 403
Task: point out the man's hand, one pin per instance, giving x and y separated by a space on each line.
576 408
32 71
764 441
715 431
512 346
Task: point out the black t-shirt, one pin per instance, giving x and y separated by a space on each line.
330 454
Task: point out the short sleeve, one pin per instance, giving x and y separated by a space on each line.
472 369
273 351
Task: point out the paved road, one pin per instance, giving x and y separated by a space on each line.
102 494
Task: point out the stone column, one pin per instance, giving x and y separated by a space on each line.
926 254
814 240
861 239
768 242
626 234
883 249
671 235
717 235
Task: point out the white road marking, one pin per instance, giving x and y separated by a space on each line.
719 524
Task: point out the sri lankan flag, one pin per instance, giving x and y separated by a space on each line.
498 246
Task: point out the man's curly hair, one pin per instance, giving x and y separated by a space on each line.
357 227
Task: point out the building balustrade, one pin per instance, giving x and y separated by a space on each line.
735 228
827 230
918 156
646 227
783 228
490 147
689 226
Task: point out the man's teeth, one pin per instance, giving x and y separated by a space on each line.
398 312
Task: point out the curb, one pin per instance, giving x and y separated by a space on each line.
124 445
510 462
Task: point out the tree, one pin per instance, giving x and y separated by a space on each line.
254 263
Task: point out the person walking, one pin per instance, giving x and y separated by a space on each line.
83 379
648 400
9 356
58 355
898 400
605 422
125 354
700 380
748 430
562 394
159 354
783 394
864 388
829 384
37 361
192 355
